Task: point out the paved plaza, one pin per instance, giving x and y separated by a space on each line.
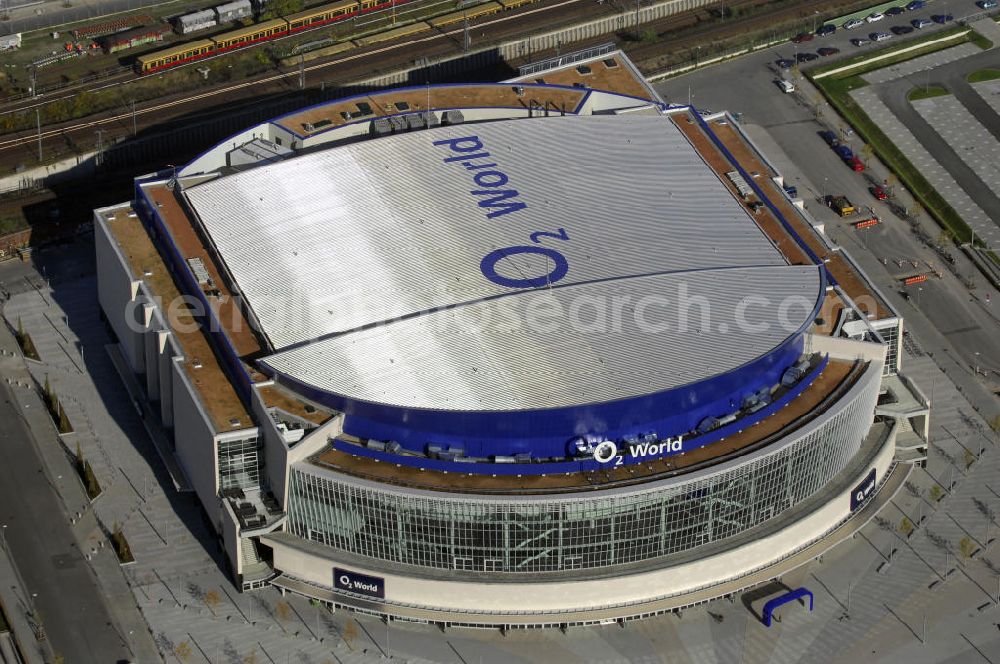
921 63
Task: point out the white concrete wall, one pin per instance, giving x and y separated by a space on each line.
169 350
231 538
467 596
151 349
117 291
519 597
215 158
275 449
278 458
845 349
194 443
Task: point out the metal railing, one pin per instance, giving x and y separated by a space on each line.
569 58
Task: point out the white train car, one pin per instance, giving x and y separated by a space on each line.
233 11
10 42
196 21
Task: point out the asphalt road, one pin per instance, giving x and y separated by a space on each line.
746 86
38 537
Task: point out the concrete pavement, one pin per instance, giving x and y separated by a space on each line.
13 597
38 535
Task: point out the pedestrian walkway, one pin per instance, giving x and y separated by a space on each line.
921 63
867 98
178 580
988 28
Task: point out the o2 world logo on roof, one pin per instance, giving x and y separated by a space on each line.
498 199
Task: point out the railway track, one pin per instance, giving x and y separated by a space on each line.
26 139
421 44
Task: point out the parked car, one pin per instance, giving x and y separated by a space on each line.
879 193
858 41
914 5
853 23
826 30
987 4
843 152
919 23
942 18
880 36
894 11
856 164
901 29
874 17
785 63
806 57
802 37
829 138
828 50
785 86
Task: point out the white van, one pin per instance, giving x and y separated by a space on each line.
786 86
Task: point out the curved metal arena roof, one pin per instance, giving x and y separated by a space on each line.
465 268
578 344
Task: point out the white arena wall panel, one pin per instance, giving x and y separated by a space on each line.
462 598
600 529
117 290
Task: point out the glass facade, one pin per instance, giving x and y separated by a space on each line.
890 336
240 463
476 533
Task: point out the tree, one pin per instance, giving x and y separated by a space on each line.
350 633
966 547
283 611
985 510
64 425
970 458
122 548
183 651
90 480
936 493
906 526
278 8
212 600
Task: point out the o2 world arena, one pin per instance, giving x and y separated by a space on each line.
542 352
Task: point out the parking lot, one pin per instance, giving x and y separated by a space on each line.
787 126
